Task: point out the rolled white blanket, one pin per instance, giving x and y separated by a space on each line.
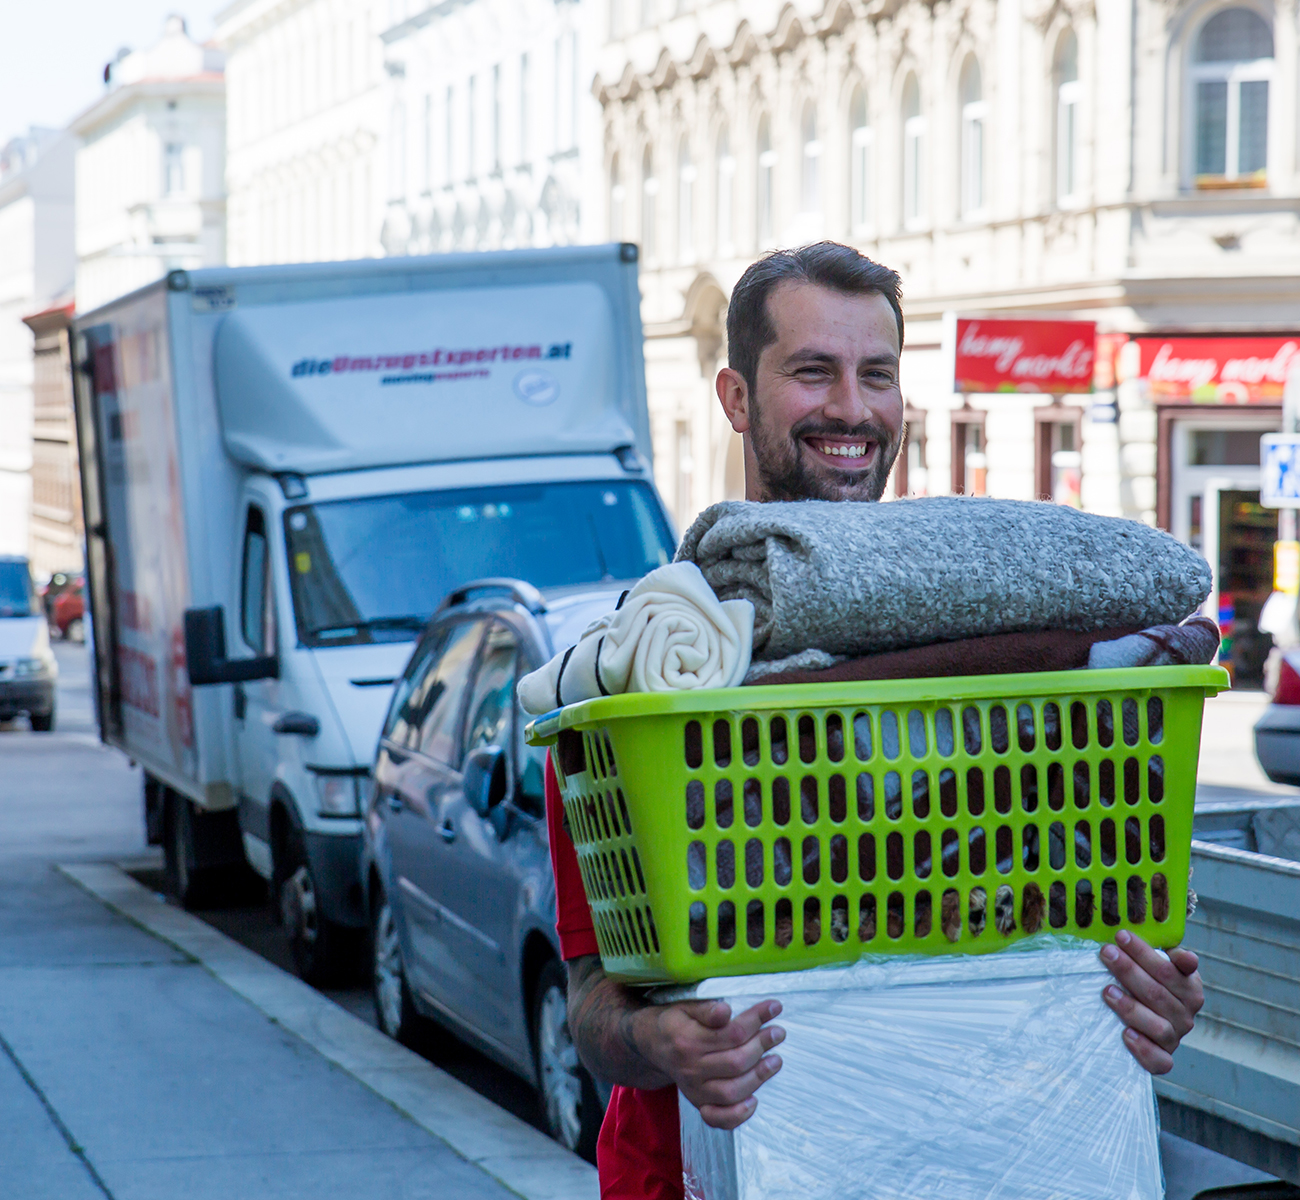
669 633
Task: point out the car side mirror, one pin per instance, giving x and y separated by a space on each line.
205 652
484 778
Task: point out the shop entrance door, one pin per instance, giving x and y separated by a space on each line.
1215 508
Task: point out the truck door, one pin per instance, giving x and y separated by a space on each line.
257 704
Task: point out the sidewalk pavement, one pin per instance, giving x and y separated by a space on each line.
131 1069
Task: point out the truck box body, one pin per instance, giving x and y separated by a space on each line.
310 416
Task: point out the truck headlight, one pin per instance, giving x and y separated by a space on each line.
28 668
338 796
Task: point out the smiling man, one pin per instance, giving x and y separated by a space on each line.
814 339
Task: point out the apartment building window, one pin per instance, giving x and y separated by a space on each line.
173 180
969 460
1069 93
685 202
724 192
974 120
1058 458
471 125
496 117
649 192
913 154
426 145
859 163
911 474
449 137
617 198
810 191
524 99
1233 63
765 189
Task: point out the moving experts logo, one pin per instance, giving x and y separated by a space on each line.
343 363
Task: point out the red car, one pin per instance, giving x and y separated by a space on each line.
65 606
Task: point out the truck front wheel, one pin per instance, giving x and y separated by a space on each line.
324 952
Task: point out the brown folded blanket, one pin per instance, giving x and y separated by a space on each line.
997 654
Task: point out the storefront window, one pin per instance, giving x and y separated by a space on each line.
1058 465
1222 447
969 461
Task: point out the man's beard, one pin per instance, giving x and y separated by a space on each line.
786 474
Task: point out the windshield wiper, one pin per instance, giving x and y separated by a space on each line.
375 623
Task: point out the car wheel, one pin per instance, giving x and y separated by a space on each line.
394 1009
42 722
572 1108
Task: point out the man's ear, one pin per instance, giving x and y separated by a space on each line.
733 392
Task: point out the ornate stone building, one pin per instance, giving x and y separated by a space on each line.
491 126
1132 163
151 168
306 118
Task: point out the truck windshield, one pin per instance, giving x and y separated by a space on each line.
373 569
15 589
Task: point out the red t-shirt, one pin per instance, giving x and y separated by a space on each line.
639 1151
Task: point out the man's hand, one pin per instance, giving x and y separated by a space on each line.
1158 1000
716 1060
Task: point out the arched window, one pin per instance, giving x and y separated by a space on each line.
859 162
810 193
685 202
913 153
766 183
1231 68
974 118
617 197
724 193
1068 94
649 191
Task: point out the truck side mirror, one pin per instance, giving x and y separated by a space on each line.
484 778
205 652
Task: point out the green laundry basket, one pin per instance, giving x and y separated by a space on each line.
746 830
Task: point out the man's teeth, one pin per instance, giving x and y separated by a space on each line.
845 451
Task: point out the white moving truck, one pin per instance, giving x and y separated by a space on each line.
284 471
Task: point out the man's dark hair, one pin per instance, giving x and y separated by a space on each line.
826 264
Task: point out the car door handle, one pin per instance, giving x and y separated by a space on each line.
447 831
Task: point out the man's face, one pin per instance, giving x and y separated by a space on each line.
825 419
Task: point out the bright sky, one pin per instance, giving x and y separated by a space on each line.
53 52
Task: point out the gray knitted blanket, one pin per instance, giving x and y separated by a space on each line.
860 578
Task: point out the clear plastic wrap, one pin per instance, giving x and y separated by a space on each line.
962 1077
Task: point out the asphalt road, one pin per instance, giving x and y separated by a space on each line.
1228 765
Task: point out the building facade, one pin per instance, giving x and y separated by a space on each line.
492 126
306 119
1129 163
37 265
150 191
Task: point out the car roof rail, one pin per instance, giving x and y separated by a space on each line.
519 591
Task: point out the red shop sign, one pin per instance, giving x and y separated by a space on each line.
1217 370
1053 357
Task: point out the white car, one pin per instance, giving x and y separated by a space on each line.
27 666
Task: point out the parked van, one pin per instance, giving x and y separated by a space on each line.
27 666
285 469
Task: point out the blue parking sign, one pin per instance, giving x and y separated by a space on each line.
1279 470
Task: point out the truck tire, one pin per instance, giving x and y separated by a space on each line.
203 854
571 1106
324 952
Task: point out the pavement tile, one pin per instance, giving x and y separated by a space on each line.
36 1162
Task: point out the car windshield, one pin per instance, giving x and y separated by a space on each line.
15 590
374 569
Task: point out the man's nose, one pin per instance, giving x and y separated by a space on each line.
848 403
